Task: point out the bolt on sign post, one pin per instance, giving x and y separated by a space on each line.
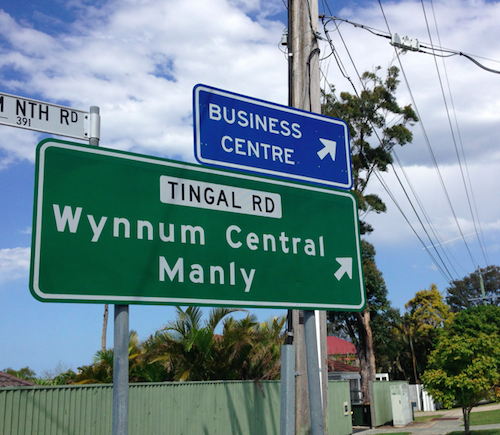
124 228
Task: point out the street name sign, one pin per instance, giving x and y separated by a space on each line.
238 132
123 228
48 118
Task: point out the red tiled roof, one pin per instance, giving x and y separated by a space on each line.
337 346
7 380
337 366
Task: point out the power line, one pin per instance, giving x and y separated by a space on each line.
342 69
479 232
470 197
425 135
474 262
386 188
445 52
429 146
425 214
382 183
449 277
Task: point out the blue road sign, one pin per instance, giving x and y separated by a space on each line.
243 133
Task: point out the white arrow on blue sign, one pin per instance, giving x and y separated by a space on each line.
238 132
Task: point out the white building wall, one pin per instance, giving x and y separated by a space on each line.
423 400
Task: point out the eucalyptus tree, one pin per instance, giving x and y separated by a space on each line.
425 317
378 317
377 123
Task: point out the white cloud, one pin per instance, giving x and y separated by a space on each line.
30 40
14 263
139 61
16 144
391 229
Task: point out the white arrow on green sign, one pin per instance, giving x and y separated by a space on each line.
118 227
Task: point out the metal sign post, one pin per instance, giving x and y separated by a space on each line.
287 403
120 370
121 326
94 126
313 374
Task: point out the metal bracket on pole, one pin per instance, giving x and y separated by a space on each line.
95 126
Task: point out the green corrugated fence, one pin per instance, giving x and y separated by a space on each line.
56 410
204 408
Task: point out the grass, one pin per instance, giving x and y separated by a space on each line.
485 417
478 432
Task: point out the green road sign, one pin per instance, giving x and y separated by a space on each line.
122 228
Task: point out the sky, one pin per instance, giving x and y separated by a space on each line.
138 61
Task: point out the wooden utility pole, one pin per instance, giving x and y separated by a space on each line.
304 93
304 51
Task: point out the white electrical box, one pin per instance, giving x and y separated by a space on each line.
401 405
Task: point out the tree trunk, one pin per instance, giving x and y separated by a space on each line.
366 353
414 361
466 415
104 328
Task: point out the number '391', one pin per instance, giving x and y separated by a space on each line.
23 121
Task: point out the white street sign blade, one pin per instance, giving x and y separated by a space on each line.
44 117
